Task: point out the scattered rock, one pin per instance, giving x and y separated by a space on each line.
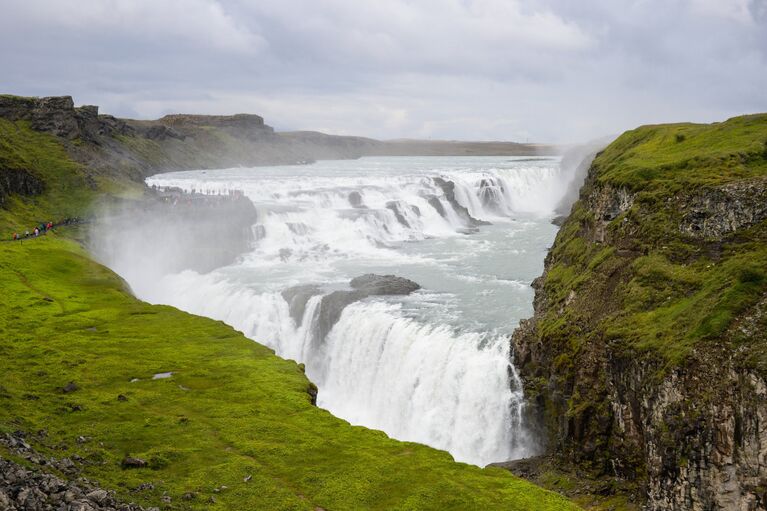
121 397
32 490
247 478
98 496
70 387
130 462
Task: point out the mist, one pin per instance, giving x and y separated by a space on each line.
169 232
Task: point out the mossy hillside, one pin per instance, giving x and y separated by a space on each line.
68 190
231 409
650 286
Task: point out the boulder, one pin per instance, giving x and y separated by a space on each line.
131 462
355 199
370 284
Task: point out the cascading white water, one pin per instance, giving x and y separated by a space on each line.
433 367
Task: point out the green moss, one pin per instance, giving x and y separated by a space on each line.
673 157
231 409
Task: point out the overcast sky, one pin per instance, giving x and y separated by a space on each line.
537 70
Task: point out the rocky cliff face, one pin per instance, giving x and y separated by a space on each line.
646 357
58 115
18 181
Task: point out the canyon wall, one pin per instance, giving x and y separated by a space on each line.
647 354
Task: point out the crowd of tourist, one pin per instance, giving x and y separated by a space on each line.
42 228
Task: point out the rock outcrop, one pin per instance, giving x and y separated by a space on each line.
58 115
333 304
723 210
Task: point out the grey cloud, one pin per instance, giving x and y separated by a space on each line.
473 69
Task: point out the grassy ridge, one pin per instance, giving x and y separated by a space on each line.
672 157
232 409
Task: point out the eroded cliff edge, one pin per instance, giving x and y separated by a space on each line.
646 357
111 147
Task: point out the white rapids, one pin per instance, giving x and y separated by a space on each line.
434 367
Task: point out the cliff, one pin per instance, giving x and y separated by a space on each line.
646 358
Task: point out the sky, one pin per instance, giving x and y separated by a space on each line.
523 70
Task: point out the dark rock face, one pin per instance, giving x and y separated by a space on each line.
395 207
726 209
297 298
247 126
17 181
70 387
162 132
448 188
131 462
333 304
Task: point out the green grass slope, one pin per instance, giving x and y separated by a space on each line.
231 409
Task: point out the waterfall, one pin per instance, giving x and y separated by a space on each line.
421 368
